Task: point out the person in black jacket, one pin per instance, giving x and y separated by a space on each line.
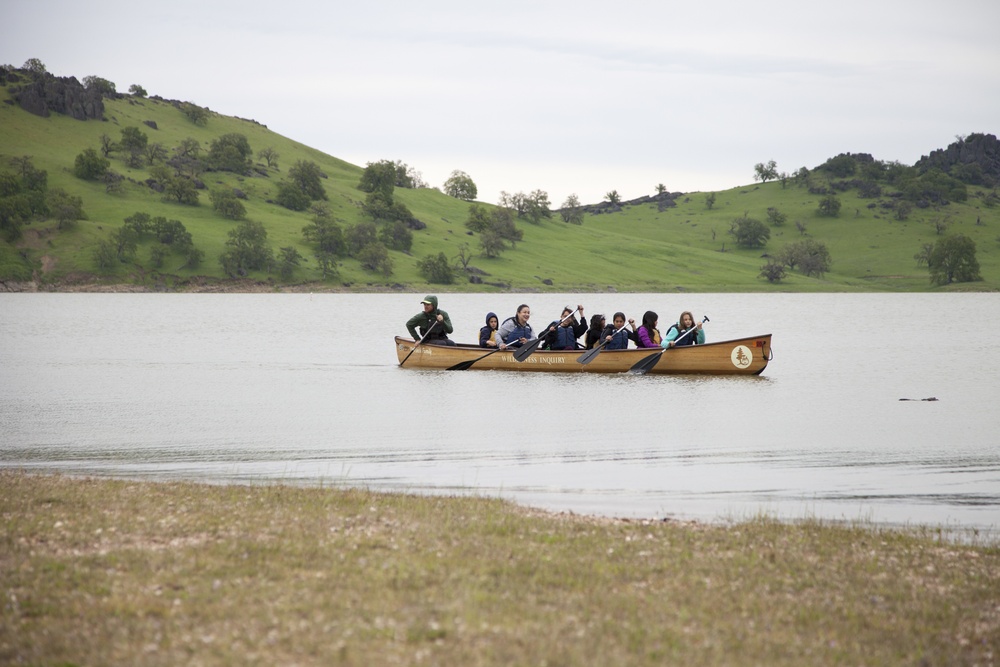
562 334
618 340
593 337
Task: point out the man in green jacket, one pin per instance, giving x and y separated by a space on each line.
432 325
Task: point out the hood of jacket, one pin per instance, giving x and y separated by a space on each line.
489 315
431 299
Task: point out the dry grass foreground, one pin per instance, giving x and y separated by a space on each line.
111 572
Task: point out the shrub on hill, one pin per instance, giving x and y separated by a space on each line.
288 260
461 186
773 271
374 257
306 176
953 260
291 197
328 237
101 85
170 236
64 207
194 113
532 207
496 228
829 206
749 232
90 166
359 236
572 211
230 152
379 177
133 143
23 195
395 235
810 257
437 269
227 204
247 250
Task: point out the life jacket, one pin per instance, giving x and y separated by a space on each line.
425 326
518 332
619 341
689 339
565 339
486 334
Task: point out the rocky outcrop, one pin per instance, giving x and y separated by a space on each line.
44 94
662 201
976 149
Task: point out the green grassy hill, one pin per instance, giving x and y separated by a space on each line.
639 248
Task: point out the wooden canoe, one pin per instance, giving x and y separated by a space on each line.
741 356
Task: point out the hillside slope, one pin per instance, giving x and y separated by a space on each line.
641 247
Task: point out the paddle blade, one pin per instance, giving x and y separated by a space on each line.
523 352
646 364
466 365
589 355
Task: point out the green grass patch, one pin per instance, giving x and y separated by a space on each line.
122 572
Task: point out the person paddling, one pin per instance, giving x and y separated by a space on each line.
515 331
562 333
432 325
684 324
616 335
648 335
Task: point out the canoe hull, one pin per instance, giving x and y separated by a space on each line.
741 356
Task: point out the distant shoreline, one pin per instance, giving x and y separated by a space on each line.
259 287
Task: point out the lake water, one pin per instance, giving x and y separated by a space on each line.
305 388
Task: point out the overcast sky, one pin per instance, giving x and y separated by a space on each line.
568 97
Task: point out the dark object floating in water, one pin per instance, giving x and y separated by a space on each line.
919 399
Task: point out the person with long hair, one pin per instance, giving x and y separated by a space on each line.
647 334
593 337
515 331
684 324
617 335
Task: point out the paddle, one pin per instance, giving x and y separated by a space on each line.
426 333
589 355
646 364
466 365
523 352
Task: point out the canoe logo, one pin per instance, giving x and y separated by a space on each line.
741 356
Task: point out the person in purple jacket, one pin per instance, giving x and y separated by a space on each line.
647 334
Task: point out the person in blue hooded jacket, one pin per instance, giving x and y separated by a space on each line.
488 334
